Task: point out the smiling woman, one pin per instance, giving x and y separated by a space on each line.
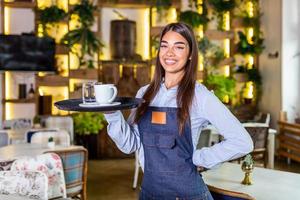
173 56
165 129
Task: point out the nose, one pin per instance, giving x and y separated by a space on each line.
170 51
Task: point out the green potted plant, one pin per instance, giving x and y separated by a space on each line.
49 16
194 18
245 47
87 128
220 7
83 35
212 53
221 86
36 121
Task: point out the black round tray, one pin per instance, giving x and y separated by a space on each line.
73 105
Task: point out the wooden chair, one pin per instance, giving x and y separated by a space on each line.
75 170
259 135
289 141
221 194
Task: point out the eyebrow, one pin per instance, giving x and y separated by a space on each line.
163 41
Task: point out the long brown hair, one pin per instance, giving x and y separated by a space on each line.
186 87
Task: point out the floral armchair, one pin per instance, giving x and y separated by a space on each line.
31 184
49 164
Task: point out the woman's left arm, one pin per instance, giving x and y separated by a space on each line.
237 142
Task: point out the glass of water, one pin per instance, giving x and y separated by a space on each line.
88 93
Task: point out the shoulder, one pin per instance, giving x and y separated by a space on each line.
203 95
140 93
201 91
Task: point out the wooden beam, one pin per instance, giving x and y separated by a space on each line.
84 74
219 35
52 80
17 4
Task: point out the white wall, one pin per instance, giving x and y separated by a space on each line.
291 57
270 67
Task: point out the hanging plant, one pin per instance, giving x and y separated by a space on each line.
220 7
83 34
244 47
50 15
193 18
212 53
248 20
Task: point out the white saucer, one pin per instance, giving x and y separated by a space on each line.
93 105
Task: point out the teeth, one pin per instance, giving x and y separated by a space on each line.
170 62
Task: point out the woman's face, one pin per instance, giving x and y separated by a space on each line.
174 52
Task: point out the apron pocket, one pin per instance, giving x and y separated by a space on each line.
160 152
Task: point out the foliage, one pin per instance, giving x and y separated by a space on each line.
252 20
193 18
86 123
221 85
83 35
212 54
254 76
248 160
222 5
50 15
245 47
36 119
162 4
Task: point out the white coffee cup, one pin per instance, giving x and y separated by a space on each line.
105 93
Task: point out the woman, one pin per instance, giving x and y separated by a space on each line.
166 128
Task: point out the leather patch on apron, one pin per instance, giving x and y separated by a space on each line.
159 118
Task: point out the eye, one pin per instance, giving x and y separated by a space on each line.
179 48
163 46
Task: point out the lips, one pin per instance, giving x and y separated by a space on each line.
170 61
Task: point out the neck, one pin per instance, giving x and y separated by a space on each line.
172 80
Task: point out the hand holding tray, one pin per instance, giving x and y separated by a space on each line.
120 103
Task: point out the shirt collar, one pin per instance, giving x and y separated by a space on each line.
163 86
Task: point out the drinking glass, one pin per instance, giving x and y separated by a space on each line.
88 93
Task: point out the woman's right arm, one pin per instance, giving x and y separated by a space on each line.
124 134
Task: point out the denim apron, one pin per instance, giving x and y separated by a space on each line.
169 172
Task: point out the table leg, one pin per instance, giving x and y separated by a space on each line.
271 150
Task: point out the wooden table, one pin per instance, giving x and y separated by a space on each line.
15 151
268 184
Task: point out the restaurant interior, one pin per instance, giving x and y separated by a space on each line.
50 50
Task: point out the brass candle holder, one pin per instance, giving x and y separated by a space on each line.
247 167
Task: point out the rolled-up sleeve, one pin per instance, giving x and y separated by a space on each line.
237 142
